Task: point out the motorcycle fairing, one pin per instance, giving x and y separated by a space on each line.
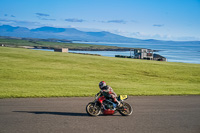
108 112
101 99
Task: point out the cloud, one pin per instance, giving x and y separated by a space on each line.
112 21
51 19
27 24
74 20
6 21
7 15
42 14
145 36
158 25
117 21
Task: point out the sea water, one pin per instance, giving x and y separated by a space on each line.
181 52
173 52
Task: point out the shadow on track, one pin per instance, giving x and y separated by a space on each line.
54 113
61 113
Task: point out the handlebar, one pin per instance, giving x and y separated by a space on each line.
98 93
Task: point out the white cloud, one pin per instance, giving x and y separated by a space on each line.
42 14
158 25
27 24
74 20
117 21
140 35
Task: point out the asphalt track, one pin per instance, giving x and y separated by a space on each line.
152 114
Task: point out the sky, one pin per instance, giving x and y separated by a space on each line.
177 20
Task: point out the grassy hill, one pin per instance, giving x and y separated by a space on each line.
52 43
32 73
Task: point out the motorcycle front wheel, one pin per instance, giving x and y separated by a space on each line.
126 109
93 109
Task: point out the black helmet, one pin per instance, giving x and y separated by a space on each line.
102 84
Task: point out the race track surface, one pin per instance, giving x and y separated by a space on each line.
152 114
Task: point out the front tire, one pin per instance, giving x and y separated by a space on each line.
92 109
126 109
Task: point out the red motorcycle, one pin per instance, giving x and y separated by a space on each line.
107 106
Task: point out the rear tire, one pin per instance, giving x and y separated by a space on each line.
126 109
92 109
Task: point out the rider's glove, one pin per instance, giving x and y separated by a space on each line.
96 94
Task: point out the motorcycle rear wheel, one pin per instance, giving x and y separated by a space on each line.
92 109
126 109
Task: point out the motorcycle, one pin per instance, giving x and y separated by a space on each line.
107 106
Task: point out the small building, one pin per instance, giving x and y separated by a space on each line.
146 54
143 54
65 50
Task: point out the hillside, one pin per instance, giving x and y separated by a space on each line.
62 33
72 34
31 73
56 43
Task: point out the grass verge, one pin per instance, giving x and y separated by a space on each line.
32 73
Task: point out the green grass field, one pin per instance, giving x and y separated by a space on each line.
33 73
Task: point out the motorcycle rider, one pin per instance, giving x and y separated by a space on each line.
107 91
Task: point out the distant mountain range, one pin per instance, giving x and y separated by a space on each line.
74 35
62 33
